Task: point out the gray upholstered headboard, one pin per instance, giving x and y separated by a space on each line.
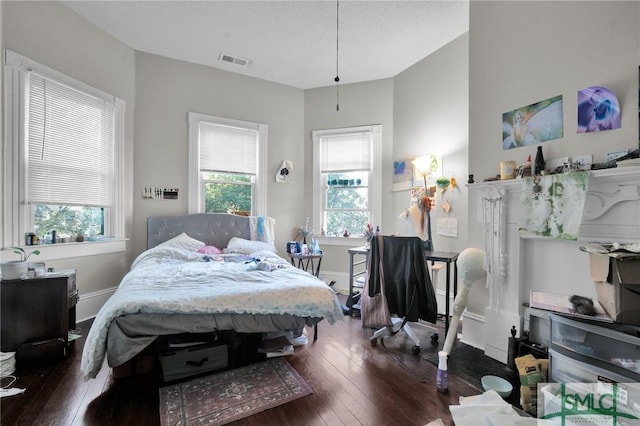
214 229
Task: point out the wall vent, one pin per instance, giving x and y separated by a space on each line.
233 60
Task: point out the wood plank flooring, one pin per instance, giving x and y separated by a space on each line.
354 383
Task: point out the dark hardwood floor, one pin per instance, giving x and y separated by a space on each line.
354 383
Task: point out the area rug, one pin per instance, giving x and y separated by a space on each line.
231 395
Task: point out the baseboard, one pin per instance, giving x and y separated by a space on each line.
90 303
473 326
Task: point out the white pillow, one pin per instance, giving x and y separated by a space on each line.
240 245
183 241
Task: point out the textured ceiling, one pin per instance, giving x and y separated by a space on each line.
289 42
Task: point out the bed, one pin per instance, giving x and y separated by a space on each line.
182 284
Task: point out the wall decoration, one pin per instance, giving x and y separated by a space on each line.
598 110
552 205
285 172
447 226
533 124
403 178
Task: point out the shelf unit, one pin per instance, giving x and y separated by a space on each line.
358 257
592 352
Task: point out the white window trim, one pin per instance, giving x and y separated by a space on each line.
195 201
15 213
375 182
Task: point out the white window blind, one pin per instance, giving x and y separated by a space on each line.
348 152
228 149
70 151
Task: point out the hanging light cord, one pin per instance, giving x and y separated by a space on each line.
337 79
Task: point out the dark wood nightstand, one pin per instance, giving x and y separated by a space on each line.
36 314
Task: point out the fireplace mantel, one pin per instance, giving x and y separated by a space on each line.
518 263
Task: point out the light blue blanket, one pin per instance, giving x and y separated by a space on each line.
168 280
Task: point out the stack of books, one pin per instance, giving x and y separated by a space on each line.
278 346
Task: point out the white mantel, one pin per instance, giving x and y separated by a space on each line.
521 264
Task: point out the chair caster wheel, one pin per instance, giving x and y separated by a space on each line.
434 338
374 341
415 350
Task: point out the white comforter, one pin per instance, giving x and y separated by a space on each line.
170 280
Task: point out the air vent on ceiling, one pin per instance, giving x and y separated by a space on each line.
233 60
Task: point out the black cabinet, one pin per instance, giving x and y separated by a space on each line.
37 313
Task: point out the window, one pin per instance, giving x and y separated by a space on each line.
346 178
226 165
63 155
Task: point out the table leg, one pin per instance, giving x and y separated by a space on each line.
455 279
349 298
446 303
317 272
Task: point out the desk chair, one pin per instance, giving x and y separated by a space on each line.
397 268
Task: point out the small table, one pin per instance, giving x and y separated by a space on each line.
448 258
310 261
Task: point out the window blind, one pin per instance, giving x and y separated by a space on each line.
228 149
348 152
70 146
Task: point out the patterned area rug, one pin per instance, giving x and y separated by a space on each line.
231 395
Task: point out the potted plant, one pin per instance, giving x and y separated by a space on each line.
15 269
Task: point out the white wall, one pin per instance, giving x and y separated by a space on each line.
52 35
431 114
524 52
360 104
167 90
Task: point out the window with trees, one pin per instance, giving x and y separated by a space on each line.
63 155
347 179
226 162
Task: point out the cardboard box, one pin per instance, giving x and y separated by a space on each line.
617 279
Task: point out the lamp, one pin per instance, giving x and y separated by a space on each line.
425 166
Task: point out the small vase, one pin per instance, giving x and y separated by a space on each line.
539 163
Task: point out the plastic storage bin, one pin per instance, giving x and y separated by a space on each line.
607 349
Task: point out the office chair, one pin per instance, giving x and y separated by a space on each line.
397 268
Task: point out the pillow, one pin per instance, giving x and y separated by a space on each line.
209 250
240 245
183 241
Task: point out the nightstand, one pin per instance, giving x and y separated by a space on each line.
37 313
307 260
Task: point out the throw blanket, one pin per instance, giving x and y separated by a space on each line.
170 280
552 205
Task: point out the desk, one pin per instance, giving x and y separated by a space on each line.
430 256
310 258
448 258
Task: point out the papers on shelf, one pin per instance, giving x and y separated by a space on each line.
560 303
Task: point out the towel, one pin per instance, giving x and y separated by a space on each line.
489 409
552 205
262 228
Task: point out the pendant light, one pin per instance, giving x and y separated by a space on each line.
337 79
